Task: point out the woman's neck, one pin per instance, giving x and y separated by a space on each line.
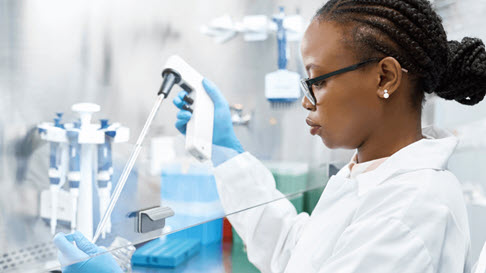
388 139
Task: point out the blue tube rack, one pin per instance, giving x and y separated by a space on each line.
167 252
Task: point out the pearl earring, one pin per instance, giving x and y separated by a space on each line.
386 95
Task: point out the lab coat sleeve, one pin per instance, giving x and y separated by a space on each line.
378 245
269 231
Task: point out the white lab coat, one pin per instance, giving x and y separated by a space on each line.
408 215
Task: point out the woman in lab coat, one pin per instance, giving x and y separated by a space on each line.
394 207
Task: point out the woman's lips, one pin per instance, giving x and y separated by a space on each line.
314 126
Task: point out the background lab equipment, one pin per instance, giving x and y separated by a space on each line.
282 87
76 150
58 53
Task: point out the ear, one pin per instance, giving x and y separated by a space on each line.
390 72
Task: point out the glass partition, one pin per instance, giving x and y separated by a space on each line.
185 185
199 217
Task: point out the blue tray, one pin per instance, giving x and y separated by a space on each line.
168 252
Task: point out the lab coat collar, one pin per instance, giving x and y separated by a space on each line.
432 152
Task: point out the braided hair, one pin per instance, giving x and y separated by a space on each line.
412 33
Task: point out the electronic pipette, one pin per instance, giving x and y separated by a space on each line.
199 131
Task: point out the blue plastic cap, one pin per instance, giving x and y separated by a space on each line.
110 133
59 114
57 122
77 124
104 123
42 130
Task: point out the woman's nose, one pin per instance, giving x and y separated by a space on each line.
307 104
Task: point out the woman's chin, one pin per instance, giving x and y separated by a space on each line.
327 142
330 142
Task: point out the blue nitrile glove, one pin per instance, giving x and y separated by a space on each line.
226 145
70 253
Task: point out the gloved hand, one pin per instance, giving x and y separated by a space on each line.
70 253
223 133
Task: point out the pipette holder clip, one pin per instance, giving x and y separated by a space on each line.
152 219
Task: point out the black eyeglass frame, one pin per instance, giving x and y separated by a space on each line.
307 83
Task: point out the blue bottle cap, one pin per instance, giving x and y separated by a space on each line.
110 133
104 123
57 122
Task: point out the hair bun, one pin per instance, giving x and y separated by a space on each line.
465 77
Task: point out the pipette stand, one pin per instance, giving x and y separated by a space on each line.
89 135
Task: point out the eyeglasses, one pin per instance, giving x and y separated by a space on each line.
307 83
